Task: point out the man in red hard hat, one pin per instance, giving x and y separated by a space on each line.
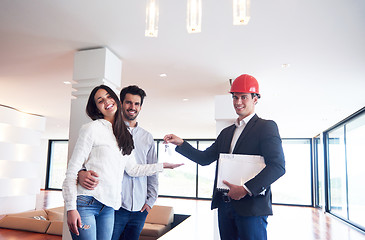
243 211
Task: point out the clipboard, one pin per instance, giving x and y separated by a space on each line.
238 169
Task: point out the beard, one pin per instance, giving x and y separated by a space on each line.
128 117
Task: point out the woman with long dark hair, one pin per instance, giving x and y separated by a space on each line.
105 146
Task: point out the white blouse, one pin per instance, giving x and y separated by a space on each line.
97 149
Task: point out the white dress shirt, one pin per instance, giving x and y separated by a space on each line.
96 149
240 125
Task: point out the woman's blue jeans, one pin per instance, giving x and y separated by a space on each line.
96 218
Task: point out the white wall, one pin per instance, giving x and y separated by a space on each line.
20 159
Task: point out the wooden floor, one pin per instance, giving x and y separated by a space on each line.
287 222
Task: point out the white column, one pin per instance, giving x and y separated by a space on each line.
225 114
20 159
91 68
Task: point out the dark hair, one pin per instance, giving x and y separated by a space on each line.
121 133
255 94
252 95
134 90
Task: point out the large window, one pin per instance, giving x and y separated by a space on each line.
355 142
57 163
194 181
338 181
206 174
190 180
295 186
346 164
180 181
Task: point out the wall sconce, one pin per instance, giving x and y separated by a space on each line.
194 16
151 18
241 12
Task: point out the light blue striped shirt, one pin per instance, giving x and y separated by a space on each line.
136 191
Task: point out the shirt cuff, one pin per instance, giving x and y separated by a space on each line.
150 203
248 190
70 206
159 167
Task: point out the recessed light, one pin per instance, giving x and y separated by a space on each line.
285 65
163 75
185 99
67 82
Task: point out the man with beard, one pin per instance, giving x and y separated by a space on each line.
138 193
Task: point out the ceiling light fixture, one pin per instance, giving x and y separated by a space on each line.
163 75
241 15
241 12
194 16
152 18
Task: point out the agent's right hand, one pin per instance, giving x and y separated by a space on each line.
88 179
74 221
171 138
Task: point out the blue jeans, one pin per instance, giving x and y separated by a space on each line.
128 225
235 227
96 218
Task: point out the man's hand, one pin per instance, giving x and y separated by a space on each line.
146 207
236 192
171 165
88 179
74 221
171 138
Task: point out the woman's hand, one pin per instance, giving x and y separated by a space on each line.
74 221
171 165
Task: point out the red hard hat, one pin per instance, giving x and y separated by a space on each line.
245 84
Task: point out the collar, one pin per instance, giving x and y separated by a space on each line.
244 121
129 127
105 122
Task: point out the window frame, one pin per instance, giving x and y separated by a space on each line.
327 162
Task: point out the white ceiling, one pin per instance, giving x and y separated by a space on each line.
323 41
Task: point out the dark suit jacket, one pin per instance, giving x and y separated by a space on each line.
259 137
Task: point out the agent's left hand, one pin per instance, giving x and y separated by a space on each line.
236 192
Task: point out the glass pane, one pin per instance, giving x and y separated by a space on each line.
320 170
206 174
337 171
58 163
355 142
298 174
180 181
